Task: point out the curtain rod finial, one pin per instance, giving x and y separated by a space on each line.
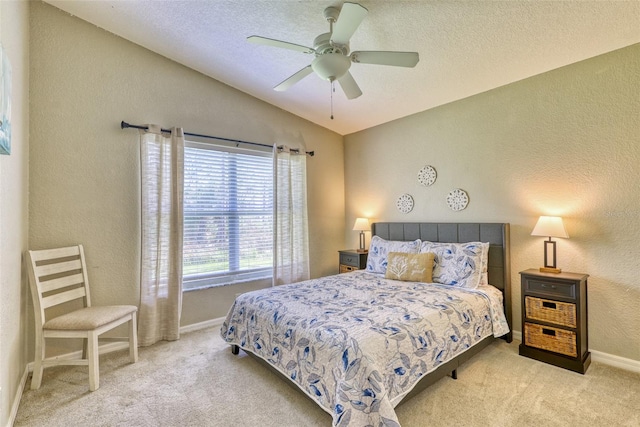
124 125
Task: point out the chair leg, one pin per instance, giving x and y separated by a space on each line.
94 368
133 339
36 378
85 344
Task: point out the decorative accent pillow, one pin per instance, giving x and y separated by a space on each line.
456 264
484 277
410 267
379 248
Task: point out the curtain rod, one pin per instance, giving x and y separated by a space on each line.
124 125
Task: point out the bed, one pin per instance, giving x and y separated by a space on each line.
360 343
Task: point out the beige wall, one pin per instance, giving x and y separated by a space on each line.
14 195
566 143
85 169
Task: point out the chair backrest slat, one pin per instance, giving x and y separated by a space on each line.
58 268
62 297
62 282
47 254
62 268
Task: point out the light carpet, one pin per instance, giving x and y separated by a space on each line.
196 381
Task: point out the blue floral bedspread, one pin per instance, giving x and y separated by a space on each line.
357 343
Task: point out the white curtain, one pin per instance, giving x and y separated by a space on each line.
162 169
291 235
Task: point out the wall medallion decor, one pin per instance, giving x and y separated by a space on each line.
405 203
427 175
457 199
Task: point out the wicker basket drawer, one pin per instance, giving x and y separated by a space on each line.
560 313
550 339
347 268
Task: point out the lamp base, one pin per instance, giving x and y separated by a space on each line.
550 270
362 251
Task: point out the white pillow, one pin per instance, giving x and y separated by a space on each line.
457 264
379 249
484 277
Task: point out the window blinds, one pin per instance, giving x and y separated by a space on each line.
228 215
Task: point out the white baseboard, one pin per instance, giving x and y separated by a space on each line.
517 335
202 325
602 357
615 361
18 397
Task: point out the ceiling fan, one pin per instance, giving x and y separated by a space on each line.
332 58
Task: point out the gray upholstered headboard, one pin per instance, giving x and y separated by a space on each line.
460 232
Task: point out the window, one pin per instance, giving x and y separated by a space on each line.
228 215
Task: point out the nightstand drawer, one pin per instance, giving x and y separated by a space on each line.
560 313
551 288
349 259
550 339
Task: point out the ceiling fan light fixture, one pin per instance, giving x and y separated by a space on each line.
331 66
332 59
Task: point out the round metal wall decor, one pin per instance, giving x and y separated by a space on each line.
427 175
405 203
457 199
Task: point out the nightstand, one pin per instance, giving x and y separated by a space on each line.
554 319
351 259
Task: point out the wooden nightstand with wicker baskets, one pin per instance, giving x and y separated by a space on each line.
554 319
351 260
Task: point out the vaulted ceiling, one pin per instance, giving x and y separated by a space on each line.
465 47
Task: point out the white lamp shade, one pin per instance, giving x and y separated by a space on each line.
361 224
550 226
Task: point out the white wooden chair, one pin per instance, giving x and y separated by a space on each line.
58 276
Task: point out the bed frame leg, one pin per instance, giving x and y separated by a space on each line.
235 349
454 374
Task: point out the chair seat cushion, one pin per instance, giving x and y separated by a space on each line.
89 317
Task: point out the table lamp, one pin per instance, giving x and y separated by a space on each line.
361 225
550 226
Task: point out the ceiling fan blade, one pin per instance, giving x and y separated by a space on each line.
278 43
286 84
349 86
398 59
348 21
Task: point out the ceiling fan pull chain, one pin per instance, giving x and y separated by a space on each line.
332 90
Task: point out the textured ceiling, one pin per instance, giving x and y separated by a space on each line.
465 47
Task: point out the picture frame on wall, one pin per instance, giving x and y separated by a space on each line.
5 103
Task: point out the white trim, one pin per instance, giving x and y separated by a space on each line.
202 325
602 357
517 335
615 361
18 397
